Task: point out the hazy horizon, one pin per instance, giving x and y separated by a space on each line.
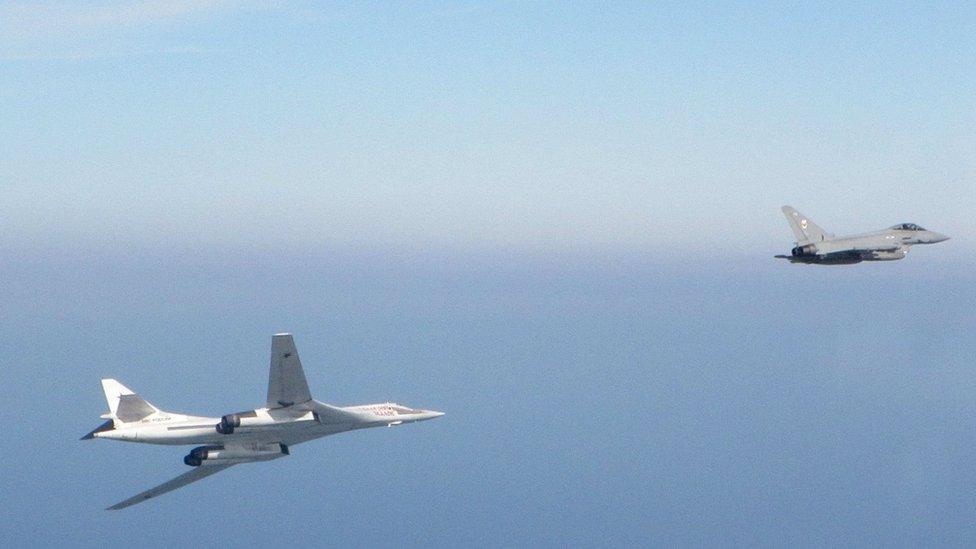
554 222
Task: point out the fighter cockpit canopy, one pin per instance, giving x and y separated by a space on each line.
907 227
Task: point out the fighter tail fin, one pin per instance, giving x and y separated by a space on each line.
125 405
803 227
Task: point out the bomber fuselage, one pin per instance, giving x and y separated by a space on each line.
286 425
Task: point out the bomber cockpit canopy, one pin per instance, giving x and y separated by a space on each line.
907 227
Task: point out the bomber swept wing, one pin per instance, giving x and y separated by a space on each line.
192 475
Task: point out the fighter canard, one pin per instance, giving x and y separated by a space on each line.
290 417
815 245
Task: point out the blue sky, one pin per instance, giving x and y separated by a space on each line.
553 221
471 126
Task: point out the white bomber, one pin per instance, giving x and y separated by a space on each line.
290 416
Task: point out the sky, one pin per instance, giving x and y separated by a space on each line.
553 221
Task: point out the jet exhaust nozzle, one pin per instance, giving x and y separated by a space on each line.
228 423
804 251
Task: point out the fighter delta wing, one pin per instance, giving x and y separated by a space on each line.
290 417
816 246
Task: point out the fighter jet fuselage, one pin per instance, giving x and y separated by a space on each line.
815 246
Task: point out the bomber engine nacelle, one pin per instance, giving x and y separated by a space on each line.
251 418
804 251
218 454
230 423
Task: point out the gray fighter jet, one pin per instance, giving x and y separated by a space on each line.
815 245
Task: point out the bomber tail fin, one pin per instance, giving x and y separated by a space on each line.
803 227
124 404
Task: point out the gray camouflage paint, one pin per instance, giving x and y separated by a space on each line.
816 246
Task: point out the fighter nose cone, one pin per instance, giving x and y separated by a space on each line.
936 237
